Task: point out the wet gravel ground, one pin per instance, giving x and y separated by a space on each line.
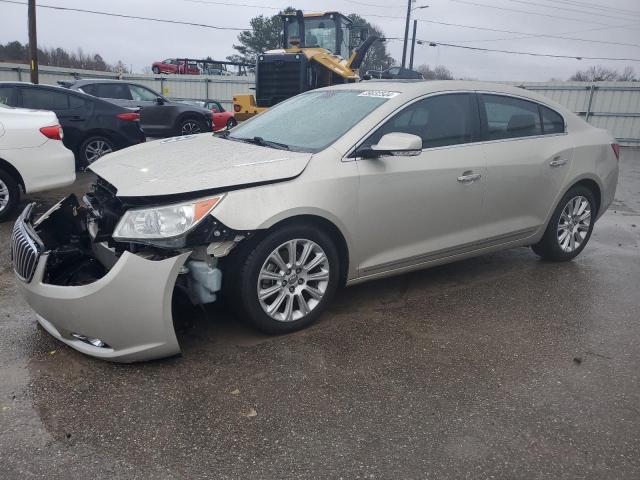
502 366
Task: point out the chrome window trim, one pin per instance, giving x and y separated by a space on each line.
348 158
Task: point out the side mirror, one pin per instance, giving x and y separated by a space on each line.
160 101
214 110
397 144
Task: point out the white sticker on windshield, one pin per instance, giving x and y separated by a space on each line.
378 94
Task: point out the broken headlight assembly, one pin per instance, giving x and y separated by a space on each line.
166 225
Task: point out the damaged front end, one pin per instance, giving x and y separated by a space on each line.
107 297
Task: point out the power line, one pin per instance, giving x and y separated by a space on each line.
594 6
108 14
373 4
537 4
209 2
526 35
528 12
533 54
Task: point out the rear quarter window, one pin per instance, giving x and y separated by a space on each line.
552 121
8 96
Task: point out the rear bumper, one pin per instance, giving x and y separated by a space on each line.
128 309
52 166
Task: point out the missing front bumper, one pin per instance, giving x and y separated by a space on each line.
129 308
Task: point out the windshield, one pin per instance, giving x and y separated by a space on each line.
318 32
312 121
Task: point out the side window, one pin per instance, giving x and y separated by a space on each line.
44 99
9 96
509 117
394 71
142 94
113 90
552 122
77 103
441 120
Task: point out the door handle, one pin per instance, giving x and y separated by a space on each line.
558 161
469 177
76 118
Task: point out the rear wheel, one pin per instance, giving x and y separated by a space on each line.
190 126
94 148
285 282
570 226
9 194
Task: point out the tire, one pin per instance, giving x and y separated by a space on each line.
93 148
570 226
155 70
9 195
232 122
256 260
190 126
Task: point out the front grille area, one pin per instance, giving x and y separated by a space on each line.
24 250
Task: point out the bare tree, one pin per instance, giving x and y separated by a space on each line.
603 74
440 72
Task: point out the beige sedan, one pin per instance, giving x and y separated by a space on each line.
335 186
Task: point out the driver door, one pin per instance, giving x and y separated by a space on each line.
417 209
154 116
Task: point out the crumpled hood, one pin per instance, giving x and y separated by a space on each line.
193 163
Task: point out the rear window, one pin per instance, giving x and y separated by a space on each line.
44 99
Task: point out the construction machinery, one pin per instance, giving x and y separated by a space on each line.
318 51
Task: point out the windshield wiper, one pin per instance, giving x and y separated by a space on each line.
263 143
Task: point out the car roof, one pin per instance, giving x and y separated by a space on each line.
409 88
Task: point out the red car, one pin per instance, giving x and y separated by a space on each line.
173 65
221 118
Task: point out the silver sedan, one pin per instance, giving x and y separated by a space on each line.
333 187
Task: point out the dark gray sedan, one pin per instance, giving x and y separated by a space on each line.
158 115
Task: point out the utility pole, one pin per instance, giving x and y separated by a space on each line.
413 43
33 42
406 34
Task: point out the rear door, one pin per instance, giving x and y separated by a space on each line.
413 210
528 156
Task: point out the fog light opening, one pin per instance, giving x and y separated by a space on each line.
96 342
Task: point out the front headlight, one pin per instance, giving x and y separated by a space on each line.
164 222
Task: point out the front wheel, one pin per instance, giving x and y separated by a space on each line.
570 226
9 194
285 282
156 70
232 122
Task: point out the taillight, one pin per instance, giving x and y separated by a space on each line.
616 150
129 116
236 108
54 132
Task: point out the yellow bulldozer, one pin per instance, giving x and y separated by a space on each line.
318 51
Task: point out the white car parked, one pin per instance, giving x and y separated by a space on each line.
32 156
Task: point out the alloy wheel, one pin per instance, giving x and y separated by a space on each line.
574 224
293 280
96 149
4 195
190 127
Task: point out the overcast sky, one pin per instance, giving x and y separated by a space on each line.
139 43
